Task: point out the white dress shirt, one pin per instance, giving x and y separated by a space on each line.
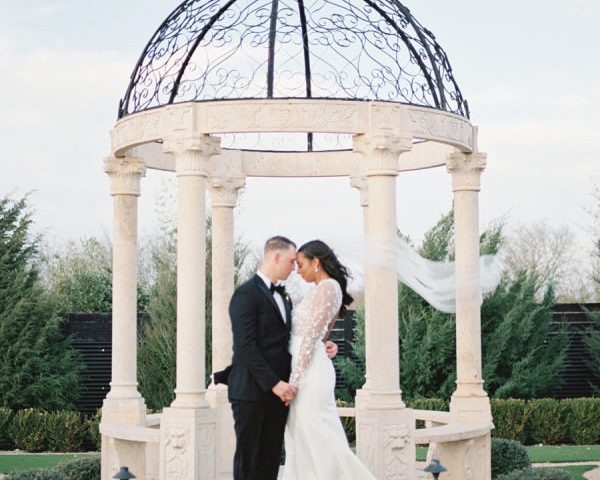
276 295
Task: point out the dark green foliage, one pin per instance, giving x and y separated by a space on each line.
37 474
435 404
79 469
508 455
93 429
352 368
583 420
591 340
157 349
28 430
65 431
6 442
535 474
38 367
520 358
547 422
510 418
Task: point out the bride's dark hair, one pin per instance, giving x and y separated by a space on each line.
331 265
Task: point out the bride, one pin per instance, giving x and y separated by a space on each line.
315 442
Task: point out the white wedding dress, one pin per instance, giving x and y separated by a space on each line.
315 443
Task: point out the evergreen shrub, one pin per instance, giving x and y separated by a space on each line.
93 429
535 474
510 418
37 474
583 420
65 431
79 469
547 421
508 455
28 428
6 442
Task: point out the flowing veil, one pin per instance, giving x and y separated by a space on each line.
435 281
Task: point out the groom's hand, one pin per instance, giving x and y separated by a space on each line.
331 349
284 391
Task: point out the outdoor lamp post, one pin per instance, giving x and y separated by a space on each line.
435 468
124 474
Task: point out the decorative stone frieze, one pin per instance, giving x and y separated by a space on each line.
381 151
466 170
125 174
441 126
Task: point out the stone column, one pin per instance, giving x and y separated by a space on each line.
188 447
469 402
224 198
124 405
361 183
384 426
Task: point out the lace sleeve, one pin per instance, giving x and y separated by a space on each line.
325 304
296 288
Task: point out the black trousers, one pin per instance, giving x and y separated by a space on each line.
259 429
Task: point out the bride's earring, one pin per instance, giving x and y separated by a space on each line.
316 269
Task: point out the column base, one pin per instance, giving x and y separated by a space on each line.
217 399
188 399
117 453
188 444
384 435
471 405
467 459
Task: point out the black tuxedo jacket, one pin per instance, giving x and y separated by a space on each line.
260 342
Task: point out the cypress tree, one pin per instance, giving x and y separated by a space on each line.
38 367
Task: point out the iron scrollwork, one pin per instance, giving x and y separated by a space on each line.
337 49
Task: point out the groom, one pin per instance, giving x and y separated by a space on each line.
261 315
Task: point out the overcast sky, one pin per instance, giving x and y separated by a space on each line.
529 70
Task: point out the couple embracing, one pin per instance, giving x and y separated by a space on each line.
281 381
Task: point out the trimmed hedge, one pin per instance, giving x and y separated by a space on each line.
6 442
548 421
34 430
536 474
78 469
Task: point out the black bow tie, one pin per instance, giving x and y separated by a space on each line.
277 288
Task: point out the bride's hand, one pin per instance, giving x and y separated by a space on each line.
331 349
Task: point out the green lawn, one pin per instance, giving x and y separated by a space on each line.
16 463
566 453
577 471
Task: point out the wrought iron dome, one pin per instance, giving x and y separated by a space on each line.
342 49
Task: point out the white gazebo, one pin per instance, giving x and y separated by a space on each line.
230 89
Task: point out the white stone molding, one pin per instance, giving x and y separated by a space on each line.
192 153
125 174
362 185
396 440
224 191
293 115
380 152
466 170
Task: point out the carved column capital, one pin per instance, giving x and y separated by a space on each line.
381 151
466 169
125 174
192 153
362 185
224 191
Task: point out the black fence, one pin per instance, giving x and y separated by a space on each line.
575 318
91 334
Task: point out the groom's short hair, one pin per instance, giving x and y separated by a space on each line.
278 243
